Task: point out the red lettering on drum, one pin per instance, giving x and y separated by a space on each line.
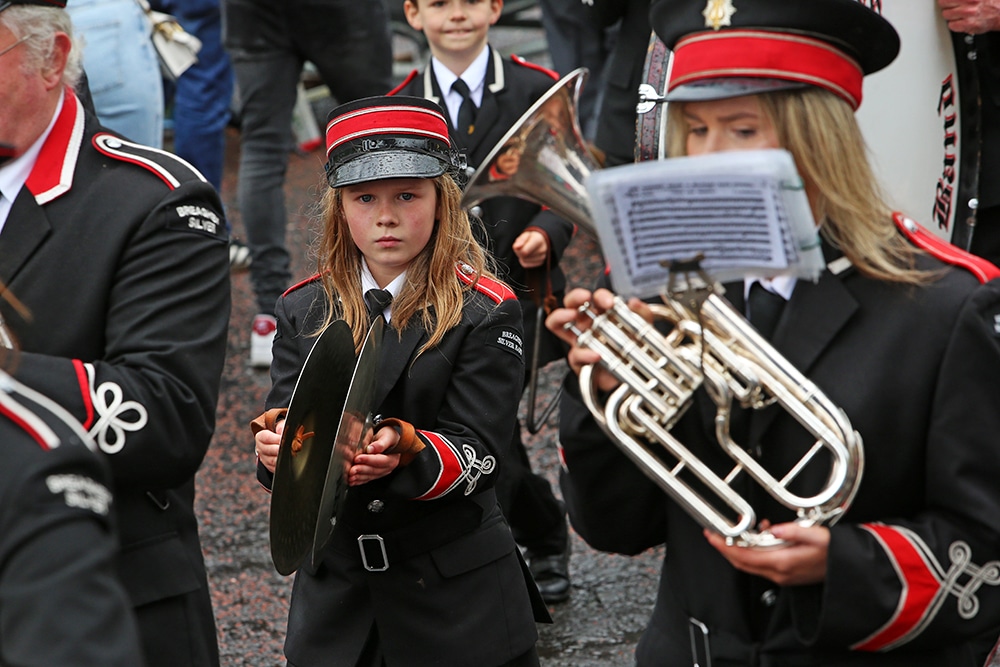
945 190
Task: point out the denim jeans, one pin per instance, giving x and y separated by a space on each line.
350 44
122 67
202 95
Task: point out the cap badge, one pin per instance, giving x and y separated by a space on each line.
718 13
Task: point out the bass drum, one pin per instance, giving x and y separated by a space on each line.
919 117
651 111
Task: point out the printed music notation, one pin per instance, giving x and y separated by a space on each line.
744 213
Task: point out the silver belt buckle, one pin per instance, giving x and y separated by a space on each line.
364 555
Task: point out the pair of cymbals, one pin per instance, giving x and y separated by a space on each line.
329 419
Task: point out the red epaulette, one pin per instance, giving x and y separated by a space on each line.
409 77
303 283
530 65
946 252
491 287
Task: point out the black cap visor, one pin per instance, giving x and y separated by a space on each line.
721 89
378 165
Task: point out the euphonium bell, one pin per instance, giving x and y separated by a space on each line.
544 159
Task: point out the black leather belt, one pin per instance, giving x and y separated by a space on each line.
377 550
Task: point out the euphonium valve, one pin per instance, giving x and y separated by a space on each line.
715 347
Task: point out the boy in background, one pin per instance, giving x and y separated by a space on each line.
484 94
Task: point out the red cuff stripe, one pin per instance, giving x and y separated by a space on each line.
920 587
749 53
452 465
88 403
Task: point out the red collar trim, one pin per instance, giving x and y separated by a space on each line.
769 55
52 175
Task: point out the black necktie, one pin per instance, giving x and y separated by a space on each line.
466 112
764 309
377 300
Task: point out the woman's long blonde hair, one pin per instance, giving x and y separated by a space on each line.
821 132
432 290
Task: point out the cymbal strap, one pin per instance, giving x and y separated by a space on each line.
409 445
267 421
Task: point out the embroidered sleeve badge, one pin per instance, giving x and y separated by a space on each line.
81 492
507 339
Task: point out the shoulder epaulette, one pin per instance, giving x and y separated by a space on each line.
946 252
302 283
409 77
530 65
171 169
491 287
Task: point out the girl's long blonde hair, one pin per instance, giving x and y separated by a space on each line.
432 291
821 132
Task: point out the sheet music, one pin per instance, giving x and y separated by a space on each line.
745 212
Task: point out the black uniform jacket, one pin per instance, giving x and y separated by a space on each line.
60 601
512 86
454 592
914 565
119 252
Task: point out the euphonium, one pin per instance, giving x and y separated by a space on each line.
710 344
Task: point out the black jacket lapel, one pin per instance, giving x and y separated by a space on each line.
814 315
396 355
25 229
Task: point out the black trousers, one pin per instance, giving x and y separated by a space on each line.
371 656
537 518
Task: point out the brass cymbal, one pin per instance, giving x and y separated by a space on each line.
355 432
307 444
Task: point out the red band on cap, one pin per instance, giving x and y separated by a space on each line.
755 54
399 120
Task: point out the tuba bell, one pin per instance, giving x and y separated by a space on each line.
710 345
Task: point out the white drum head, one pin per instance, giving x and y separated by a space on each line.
911 117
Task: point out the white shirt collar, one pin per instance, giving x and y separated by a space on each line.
474 77
780 285
15 173
368 282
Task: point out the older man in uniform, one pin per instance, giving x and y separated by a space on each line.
119 254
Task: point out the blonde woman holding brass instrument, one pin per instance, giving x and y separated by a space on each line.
905 340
